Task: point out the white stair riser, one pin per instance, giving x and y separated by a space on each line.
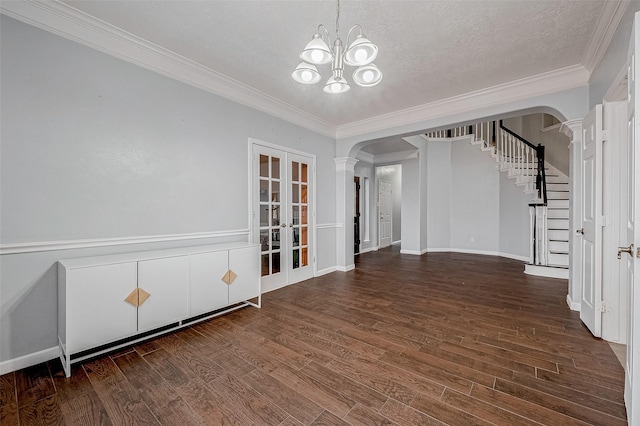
558 246
551 186
557 213
555 204
554 195
558 259
555 179
557 224
558 234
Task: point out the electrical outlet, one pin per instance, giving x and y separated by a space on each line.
473 239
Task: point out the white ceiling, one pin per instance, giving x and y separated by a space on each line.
428 50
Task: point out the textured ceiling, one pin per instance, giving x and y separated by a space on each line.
428 50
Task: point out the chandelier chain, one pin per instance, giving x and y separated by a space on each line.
337 19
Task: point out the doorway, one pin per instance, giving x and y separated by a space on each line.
389 203
283 215
356 217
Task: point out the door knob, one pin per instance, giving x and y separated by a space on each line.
284 225
628 250
580 231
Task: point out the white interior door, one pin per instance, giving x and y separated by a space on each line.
590 310
300 210
269 214
632 368
385 202
283 215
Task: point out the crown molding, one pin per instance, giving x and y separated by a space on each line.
605 28
571 128
366 157
66 21
525 88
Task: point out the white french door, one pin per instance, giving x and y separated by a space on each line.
282 205
632 368
590 312
385 207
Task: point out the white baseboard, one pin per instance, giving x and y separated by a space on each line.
325 271
514 257
28 360
346 268
574 306
482 252
414 252
367 250
546 271
395 243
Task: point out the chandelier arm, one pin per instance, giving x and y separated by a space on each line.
326 36
351 30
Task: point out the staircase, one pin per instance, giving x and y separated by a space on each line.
524 163
558 220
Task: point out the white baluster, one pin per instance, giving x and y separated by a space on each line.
532 235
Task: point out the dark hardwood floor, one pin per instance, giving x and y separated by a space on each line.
438 339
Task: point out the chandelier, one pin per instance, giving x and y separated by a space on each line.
360 53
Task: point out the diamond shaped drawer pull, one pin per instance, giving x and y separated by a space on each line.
229 276
137 297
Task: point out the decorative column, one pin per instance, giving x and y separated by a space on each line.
573 129
345 210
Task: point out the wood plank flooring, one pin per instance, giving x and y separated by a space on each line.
437 339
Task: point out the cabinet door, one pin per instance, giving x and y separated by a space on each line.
245 262
167 282
97 312
208 291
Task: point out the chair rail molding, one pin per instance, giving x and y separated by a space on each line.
39 246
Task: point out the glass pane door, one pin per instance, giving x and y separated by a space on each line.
300 252
283 215
271 216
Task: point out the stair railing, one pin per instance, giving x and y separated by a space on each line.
523 158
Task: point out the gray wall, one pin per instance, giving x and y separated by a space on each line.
94 147
475 193
439 194
514 218
471 206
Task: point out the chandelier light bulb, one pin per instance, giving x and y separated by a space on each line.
367 76
306 74
361 55
336 85
316 55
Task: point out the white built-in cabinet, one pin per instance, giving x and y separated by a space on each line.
105 302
